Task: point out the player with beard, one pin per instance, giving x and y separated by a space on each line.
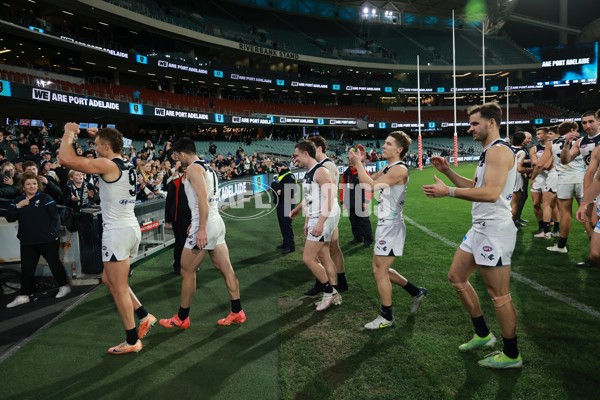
584 146
592 192
489 244
206 234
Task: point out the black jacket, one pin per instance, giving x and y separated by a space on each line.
176 204
350 177
286 179
39 221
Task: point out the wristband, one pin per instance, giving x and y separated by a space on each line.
451 191
69 134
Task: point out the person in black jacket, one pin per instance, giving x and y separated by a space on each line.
10 181
38 232
284 187
357 204
177 217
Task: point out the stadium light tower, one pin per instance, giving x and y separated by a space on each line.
369 10
391 12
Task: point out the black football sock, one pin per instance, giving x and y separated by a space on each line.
411 289
141 312
183 313
562 242
236 306
540 225
386 312
132 336
510 347
480 326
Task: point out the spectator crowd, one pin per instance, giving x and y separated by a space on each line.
33 150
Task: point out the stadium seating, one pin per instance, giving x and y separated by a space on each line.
249 107
332 38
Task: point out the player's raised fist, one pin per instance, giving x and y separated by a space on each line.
72 127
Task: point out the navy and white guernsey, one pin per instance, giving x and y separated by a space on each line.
212 192
539 152
587 145
117 198
567 173
494 217
335 175
391 201
313 195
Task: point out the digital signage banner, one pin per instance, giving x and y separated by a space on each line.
563 65
167 112
24 92
52 96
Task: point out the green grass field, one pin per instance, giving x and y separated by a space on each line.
286 350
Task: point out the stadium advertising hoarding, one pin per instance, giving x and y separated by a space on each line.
112 52
167 112
311 121
179 67
565 65
24 92
71 99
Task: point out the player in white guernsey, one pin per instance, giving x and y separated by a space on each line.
520 141
318 192
592 192
206 233
545 180
391 183
570 181
489 245
120 229
535 153
584 146
334 245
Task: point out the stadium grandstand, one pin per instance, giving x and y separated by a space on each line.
247 80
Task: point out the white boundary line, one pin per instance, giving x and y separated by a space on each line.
529 282
48 324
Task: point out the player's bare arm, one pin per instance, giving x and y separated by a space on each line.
499 161
520 168
533 157
442 165
570 149
592 186
590 194
546 158
296 211
391 178
325 181
69 159
592 169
